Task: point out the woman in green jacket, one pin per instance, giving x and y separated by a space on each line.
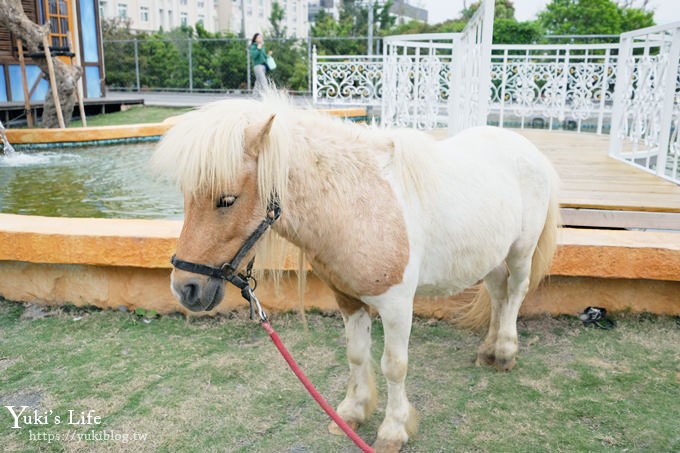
258 55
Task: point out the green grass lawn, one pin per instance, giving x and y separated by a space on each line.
218 384
134 115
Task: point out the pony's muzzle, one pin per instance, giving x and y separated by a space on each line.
197 295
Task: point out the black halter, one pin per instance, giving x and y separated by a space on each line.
229 270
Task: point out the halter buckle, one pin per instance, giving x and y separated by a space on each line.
227 269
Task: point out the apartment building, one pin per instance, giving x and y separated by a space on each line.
331 7
257 14
405 11
215 15
402 10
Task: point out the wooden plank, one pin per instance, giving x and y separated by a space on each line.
53 82
24 83
604 218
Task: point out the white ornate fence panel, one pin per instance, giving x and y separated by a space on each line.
468 101
550 86
345 79
646 114
416 79
554 86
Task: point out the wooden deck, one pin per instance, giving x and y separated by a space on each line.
600 191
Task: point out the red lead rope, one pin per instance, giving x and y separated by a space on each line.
314 392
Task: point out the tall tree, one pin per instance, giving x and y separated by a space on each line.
291 56
352 23
583 17
119 47
503 9
276 20
506 29
13 18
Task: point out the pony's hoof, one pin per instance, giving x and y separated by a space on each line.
505 364
485 359
334 429
387 446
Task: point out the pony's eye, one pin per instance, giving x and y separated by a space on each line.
226 201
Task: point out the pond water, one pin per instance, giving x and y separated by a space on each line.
98 181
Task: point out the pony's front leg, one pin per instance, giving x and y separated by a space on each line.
361 398
401 419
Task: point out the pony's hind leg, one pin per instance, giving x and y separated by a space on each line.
361 398
519 267
496 284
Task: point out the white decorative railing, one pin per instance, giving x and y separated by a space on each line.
554 86
416 79
439 79
646 114
468 103
347 79
566 86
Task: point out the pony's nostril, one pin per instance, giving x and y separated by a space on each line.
190 292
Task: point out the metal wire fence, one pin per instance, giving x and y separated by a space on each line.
153 63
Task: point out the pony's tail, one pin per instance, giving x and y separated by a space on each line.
476 314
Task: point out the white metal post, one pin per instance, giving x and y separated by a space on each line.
603 91
623 79
669 85
315 81
486 40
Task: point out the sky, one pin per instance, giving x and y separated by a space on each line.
665 11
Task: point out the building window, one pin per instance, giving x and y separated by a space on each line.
201 5
183 2
144 14
160 17
201 19
122 10
183 19
170 22
58 16
102 8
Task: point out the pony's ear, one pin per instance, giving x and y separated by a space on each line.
256 135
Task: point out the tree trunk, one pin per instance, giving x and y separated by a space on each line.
13 18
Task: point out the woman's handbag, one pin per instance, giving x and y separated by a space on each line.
271 64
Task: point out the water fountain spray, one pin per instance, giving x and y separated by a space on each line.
7 148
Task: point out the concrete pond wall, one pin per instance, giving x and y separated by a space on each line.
113 263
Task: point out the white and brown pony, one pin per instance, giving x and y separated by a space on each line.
381 215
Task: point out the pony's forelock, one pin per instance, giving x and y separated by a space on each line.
199 153
203 153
